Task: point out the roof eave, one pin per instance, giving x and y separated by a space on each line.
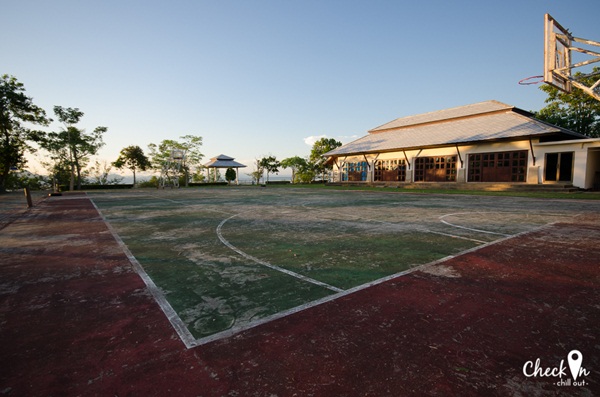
443 145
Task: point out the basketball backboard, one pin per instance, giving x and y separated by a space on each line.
557 54
561 70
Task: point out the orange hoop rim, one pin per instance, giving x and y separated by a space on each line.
532 80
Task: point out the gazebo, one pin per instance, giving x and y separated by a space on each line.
222 161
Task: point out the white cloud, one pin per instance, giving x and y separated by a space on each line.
310 140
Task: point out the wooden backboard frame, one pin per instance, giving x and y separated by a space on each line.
557 54
559 44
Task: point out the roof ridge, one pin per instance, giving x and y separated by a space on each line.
442 115
223 157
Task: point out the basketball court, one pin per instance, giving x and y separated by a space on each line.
257 291
223 260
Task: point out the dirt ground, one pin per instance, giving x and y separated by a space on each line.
75 319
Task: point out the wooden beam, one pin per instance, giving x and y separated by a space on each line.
406 158
532 153
462 164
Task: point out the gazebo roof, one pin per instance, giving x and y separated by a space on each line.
223 161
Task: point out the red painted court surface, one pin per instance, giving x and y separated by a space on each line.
77 320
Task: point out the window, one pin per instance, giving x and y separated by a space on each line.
435 169
390 170
355 171
559 167
498 167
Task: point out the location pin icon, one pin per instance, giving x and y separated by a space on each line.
575 358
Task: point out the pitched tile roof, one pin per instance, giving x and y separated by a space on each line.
484 121
223 161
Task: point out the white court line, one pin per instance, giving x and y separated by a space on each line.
189 341
184 334
455 236
360 218
267 264
176 322
252 258
441 218
309 305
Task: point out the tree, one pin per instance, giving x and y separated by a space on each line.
99 174
190 144
258 172
152 182
297 164
72 144
306 173
214 175
230 175
319 148
132 158
199 176
576 111
270 164
59 170
16 108
19 179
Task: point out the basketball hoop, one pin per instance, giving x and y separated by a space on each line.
532 80
561 69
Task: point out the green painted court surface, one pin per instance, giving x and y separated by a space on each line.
227 258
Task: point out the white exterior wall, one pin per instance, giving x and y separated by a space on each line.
586 161
593 168
464 151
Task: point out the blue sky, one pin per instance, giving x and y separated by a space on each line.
261 77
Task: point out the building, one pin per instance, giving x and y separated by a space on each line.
482 142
